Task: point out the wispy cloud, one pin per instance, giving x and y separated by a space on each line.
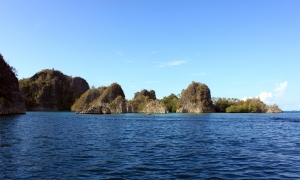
176 63
39 24
129 61
119 53
132 86
269 97
199 74
154 52
150 82
171 63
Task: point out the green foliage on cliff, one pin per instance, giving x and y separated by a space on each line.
51 90
233 105
141 99
88 98
222 103
196 98
171 102
110 96
8 81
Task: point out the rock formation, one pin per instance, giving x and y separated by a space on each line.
51 90
155 107
274 109
96 110
146 102
11 101
111 97
195 99
150 94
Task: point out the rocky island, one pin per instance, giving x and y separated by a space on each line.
196 99
11 101
51 90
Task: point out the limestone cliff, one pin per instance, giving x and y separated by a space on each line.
51 90
11 101
111 97
97 110
274 109
155 107
195 99
145 102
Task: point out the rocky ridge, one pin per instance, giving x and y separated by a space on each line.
11 101
97 110
51 90
274 109
195 99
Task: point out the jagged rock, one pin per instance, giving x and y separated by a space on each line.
150 94
11 101
111 96
51 90
274 109
111 93
97 110
195 99
79 86
155 107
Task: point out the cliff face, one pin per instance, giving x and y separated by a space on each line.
155 107
111 97
51 90
146 102
274 109
11 101
195 99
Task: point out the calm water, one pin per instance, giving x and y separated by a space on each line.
63 145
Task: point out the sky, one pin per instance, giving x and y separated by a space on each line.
238 48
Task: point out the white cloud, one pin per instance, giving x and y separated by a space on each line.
200 74
278 92
129 61
40 24
154 52
176 63
172 63
265 96
119 53
280 89
150 82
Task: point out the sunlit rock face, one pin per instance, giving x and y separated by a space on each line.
195 98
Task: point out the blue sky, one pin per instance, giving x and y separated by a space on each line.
238 48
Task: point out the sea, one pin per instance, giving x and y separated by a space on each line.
65 145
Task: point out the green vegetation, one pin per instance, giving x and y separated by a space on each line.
87 99
233 105
51 90
171 102
111 96
141 99
8 79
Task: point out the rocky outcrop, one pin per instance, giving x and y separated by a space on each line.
150 94
145 102
97 110
79 86
195 99
274 109
11 101
51 90
111 96
155 107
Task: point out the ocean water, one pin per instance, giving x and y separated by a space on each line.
65 145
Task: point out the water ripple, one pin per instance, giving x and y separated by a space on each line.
52 145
